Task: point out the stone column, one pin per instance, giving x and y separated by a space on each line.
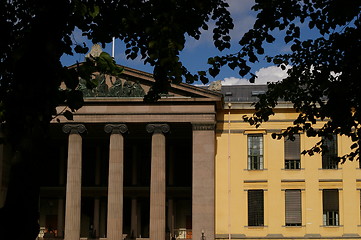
170 200
73 183
203 181
157 181
115 184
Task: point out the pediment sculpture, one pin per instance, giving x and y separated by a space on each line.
117 88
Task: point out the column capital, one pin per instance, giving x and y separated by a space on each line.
74 128
203 126
115 128
157 128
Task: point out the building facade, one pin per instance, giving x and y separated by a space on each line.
266 189
188 167
123 168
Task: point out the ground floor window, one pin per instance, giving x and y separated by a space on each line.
293 207
255 208
330 207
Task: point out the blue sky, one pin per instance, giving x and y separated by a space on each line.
197 52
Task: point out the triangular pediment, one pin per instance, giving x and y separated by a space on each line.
134 84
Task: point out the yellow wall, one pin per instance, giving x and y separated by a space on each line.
233 180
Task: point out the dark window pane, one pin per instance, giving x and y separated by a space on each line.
329 154
330 207
255 151
293 208
292 153
255 208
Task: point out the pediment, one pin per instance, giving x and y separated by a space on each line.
134 84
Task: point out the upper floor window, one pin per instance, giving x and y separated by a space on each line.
255 151
329 154
330 207
255 208
292 153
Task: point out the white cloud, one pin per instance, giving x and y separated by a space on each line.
235 81
241 25
264 75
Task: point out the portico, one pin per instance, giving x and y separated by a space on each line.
135 169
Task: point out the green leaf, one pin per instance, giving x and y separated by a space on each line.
94 11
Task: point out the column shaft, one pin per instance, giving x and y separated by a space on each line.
203 181
115 185
157 181
73 184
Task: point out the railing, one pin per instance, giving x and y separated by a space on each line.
183 233
330 218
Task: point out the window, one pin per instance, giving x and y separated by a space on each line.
293 207
292 153
255 151
255 208
329 156
330 207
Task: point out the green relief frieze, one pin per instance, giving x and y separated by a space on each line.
116 89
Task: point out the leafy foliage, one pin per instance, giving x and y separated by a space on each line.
323 82
36 33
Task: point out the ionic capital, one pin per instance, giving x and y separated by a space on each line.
203 126
116 128
74 128
157 128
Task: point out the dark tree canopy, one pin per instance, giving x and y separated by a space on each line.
34 36
323 81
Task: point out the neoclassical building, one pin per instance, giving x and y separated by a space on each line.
189 167
127 168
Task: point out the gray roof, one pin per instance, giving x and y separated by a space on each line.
242 93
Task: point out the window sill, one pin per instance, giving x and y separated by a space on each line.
292 169
331 226
254 227
330 169
300 226
255 169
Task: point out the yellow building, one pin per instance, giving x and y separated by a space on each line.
266 189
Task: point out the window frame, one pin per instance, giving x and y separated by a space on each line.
255 151
292 153
293 207
255 207
330 152
331 207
